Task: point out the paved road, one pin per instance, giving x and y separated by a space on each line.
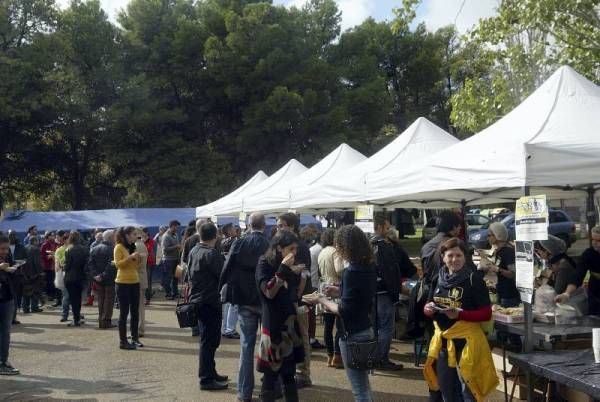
61 363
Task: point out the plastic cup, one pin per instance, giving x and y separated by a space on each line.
596 344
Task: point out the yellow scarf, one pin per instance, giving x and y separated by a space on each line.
476 365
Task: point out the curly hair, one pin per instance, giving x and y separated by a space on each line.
327 237
353 246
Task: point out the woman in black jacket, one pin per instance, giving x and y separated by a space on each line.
76 258
280 345
357 291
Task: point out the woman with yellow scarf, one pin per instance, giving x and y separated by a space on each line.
459 363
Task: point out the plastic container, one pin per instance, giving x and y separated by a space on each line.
565 315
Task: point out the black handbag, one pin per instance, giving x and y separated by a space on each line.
187 314
362 355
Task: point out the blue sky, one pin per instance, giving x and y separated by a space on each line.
435 13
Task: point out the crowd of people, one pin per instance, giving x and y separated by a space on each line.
272 286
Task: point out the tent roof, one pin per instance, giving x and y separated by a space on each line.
207 210
331 167
103 218
550 139
420 139
285 174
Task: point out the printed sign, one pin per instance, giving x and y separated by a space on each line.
524 268
531 218
242 220
363 218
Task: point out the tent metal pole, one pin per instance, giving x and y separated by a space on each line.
590 213
463 210
528 345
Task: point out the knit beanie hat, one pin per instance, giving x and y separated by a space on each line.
554 245
499 231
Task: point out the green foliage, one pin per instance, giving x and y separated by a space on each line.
183 100
522 46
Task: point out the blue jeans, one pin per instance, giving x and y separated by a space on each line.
169 282
66 302
249 320
359 379
452 386
230 318
6 316
385 326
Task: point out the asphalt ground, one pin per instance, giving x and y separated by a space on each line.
63 363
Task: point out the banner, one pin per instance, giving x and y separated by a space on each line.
363 218
524 268
531 218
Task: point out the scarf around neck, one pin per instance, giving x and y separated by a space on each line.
448 280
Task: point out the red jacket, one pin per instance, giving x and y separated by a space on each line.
151 255
48 259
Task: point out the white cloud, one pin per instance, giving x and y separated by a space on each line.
354 12
438 13
111 7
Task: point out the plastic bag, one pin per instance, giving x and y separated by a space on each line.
544 299
59 280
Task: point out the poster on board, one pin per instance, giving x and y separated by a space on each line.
531 218
363 218
524 269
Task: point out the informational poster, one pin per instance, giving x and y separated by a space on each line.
524 268
363 218
242 220
531 218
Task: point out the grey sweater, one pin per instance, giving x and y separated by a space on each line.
169 245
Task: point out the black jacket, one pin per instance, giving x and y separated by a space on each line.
387 267
100 263
204 269
76 259
357 292
240 269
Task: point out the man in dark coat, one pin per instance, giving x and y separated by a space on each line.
76 274
238 278
103 272
33 277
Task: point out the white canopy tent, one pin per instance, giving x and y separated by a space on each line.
550 142
420 139
208 210
236 204
332 167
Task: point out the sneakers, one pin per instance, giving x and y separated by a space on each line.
7 369
127 346
315 344
232 335
137 343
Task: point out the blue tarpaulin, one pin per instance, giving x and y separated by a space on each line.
151 218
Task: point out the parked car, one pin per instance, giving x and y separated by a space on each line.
559 225
474 223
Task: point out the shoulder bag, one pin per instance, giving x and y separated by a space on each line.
362 355
186 312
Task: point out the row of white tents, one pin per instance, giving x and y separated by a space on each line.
549 143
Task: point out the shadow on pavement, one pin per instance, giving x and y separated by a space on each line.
46 347
31 387
319 393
